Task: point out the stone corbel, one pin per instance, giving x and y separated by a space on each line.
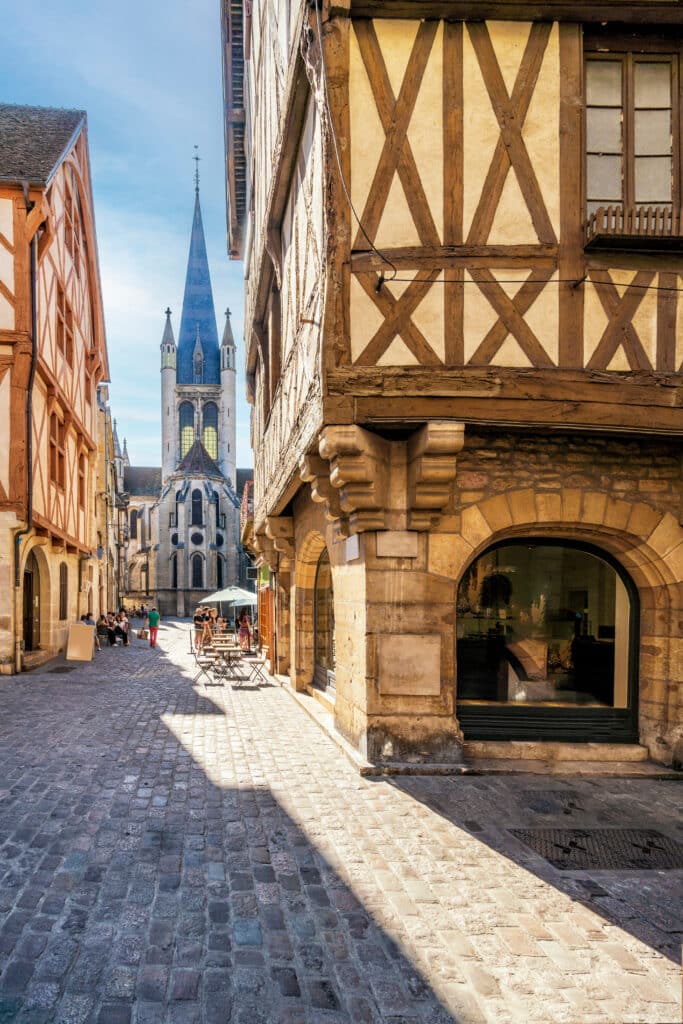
280 531
316 472
432 454
359 469
264 550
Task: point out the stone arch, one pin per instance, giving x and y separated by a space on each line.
48 593
647 543
307 557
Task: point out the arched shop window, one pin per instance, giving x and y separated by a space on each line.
219 572
186 426
197 572
323 624
546 638
210 429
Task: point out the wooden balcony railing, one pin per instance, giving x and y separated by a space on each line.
646 228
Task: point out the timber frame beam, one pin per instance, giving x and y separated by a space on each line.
543 398
652 12
296 97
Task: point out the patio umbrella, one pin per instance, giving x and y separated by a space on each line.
232 595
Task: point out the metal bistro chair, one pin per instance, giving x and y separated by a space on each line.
204 660
256 663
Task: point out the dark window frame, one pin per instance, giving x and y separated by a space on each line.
197 508
63 591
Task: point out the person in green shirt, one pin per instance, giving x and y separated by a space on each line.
153 618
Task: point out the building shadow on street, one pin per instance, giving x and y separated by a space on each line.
648 904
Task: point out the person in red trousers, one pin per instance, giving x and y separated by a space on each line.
153 618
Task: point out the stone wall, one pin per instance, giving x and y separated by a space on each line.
634 471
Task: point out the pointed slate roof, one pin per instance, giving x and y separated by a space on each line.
228 340
167 337
117 446
198 315
142 481
198 462
33 140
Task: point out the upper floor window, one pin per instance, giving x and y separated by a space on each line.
198 365
633 116
82 463
186 418
196 507
210 429
64 327
57 450
133 523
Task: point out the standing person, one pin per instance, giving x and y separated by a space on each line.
125 626
207 630
198 624
154 618
245 631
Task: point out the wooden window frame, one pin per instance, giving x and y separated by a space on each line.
630 49
64 329
57 450
82 475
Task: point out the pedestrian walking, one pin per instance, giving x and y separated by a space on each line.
153 618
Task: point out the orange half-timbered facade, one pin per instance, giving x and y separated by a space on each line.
463 235
52 357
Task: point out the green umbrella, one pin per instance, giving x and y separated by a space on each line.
232 595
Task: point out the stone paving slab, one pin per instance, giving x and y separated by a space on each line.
181 853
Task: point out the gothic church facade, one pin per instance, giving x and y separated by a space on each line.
194 521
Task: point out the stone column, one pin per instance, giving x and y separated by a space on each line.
395 666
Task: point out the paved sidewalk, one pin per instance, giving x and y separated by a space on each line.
170 853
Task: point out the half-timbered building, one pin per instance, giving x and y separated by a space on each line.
52 356
461 226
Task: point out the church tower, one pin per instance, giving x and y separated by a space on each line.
198 510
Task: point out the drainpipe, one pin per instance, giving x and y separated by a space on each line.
29 435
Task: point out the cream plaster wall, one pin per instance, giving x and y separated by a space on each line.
7 319
512 224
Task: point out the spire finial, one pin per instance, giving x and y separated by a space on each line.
196 159
227 312
167 311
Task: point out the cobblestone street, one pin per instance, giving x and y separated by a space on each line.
178 853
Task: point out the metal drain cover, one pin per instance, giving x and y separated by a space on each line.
603 849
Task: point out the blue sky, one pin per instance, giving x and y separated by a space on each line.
148 73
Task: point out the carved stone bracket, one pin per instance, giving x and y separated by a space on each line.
316 472
264 549
280 531
431 470
359 469
366 482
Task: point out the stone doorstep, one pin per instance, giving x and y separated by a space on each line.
622 769
536 750
326 702
32 660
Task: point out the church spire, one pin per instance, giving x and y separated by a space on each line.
117 446
198 309
228 340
